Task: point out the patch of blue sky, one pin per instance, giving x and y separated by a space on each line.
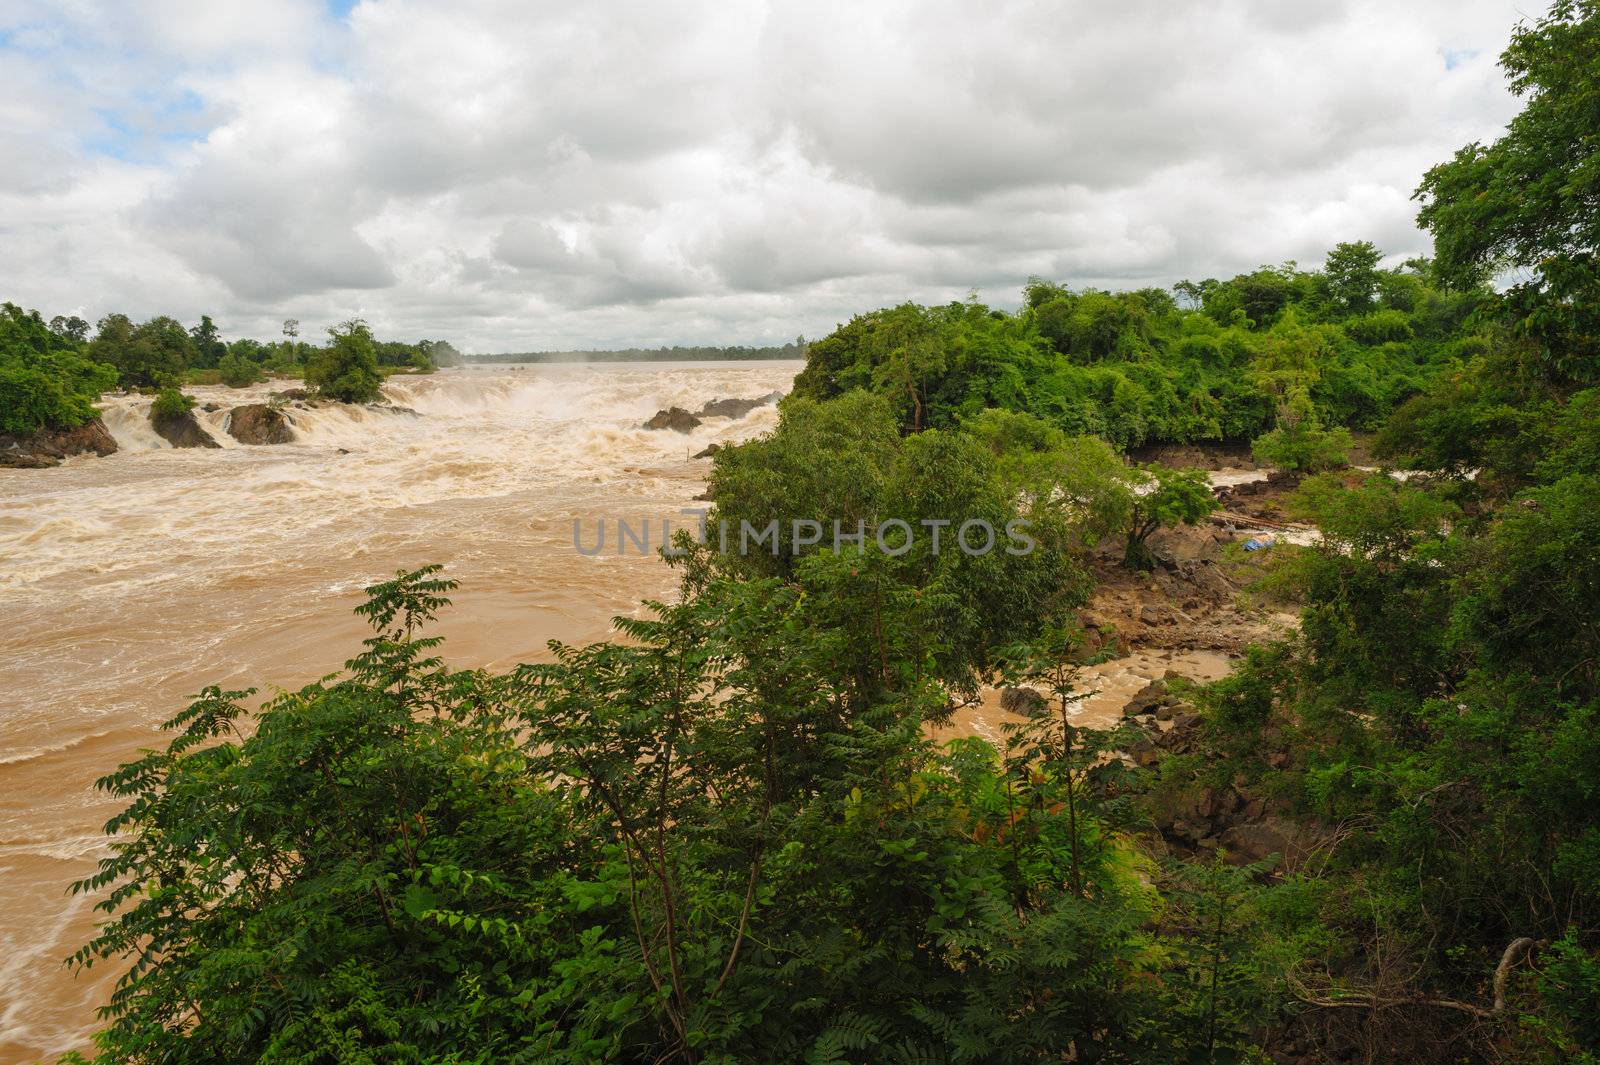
1455 57
150 123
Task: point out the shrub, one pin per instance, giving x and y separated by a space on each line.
347 369
236 371
1299 443
170 402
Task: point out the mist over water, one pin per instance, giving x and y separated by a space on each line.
129 582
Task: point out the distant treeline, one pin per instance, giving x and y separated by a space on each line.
52 372
796 349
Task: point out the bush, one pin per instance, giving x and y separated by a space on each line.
236 371
1303 449
347 369
1299 443
170 403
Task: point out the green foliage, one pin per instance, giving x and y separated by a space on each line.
237 371
1351 276
51 375
1531 200
1299 443
347 369
151 355
710 842
45 381
1163 496
170 402
1134 368
1442 691
840 467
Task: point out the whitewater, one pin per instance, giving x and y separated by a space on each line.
129 582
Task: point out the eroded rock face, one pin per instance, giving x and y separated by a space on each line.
675 418
181 430
48 447
259 424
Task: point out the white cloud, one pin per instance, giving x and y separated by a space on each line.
518 176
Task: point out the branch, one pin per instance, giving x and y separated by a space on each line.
1514 952
1502 972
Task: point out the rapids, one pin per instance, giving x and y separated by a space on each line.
129 582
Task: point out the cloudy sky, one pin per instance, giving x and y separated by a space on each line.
521 176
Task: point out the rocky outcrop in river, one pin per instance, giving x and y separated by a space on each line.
736 408
48 447
259 424
181 430
680 420
675 418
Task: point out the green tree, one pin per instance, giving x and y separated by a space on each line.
1299 443
209 346
237 371
151 355
1163 496
347 369
1531 200
70 328
1351 276
44 381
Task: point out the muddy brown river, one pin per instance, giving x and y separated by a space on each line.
128 583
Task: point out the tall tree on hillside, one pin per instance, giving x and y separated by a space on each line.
1351 276
208 344
71 328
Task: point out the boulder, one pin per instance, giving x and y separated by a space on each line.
259 424
1144 753
293 395
48 447
181 430
1024 702
675 418
1255 840
1146 699
708 451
